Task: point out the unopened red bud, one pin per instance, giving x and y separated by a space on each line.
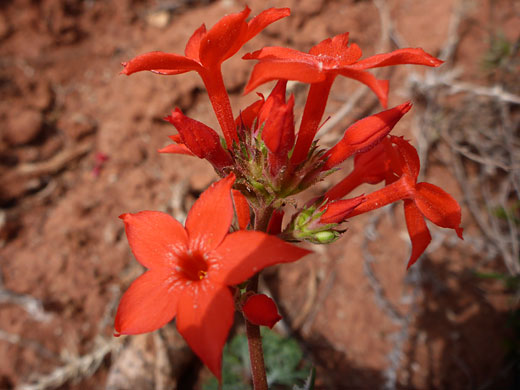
259 309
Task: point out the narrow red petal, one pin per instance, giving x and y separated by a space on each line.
438 206
244 253
222 37
176 149
399 57
409 162
193 46
379 87
261 310
204 317
417 229
210 217
153 236
149 303
264 72
160 62
364 134
242 209
282 54
264 19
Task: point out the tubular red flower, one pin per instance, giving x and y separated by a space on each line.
205 52
190 269
421 200
261 310
325 61
364 134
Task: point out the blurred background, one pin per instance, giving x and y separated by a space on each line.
78 148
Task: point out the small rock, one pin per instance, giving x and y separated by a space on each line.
23 126
159 19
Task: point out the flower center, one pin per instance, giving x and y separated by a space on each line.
193 266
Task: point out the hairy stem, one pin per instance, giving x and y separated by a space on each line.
254 339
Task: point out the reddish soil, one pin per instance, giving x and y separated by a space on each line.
78 148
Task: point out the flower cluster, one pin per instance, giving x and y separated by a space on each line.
261 155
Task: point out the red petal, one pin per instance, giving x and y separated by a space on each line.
222 37
264 72
438 206
364 134
379 87
261 310
152 236
337 48
149 303
339 210
282 54
241 209
176 149
203 141
244 253
209 219
204 317
409 162
161 63
417 229
249 115
398 57
193 46
264 19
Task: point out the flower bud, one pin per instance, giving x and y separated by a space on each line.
259 309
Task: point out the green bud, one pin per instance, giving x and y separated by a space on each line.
303 218
325 237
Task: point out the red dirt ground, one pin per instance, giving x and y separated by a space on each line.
64 259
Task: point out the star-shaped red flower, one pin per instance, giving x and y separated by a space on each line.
190 269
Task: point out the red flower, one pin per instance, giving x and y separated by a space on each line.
205 52
364 134
421 200
319 67
261 310
190 269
